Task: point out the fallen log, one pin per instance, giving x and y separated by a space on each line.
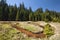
29 33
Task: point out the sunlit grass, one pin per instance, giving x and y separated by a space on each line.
30 27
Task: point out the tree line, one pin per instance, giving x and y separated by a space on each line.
14 13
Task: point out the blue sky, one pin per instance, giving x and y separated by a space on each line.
34 4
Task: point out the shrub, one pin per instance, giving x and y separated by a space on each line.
48 30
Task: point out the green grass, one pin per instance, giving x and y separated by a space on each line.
30 28
7 32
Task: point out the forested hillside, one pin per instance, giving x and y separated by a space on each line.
14 13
